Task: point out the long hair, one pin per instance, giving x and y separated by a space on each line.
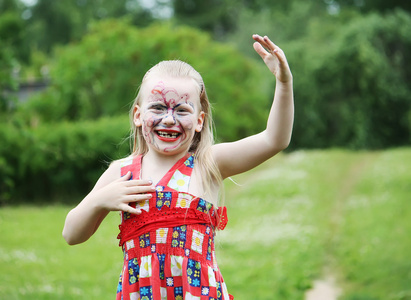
202 141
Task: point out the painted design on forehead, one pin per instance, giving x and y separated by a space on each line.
169 95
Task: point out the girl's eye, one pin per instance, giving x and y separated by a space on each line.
182 111
158 108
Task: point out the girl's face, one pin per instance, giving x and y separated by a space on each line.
169 114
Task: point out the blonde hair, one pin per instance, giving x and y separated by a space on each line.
202 141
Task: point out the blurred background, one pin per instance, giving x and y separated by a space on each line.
69 70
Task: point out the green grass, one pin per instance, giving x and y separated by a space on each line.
36 263
291 220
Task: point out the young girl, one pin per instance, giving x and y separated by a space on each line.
167 190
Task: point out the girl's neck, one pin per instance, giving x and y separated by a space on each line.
155 165
156 158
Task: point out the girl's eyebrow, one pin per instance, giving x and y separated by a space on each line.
185 103
156 104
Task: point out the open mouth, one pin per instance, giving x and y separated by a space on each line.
168 134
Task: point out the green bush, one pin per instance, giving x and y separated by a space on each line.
61 138
352 80
59 161
99 75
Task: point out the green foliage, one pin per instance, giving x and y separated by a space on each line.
374 5
96 78
353 83
350 72
58 161
215 16
53 23
11 32
99 75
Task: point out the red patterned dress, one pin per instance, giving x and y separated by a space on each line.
169 248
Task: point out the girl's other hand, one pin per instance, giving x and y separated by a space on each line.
273 57
117 195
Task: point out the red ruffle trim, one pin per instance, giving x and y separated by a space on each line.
137 225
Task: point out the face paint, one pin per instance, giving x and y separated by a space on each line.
169 117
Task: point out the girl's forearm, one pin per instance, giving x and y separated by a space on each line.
281 117
82 221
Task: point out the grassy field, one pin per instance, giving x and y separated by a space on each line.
296 218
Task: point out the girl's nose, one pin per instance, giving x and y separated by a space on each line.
169 118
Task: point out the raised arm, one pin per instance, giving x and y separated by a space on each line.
243 155
111 193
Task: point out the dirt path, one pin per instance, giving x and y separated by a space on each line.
325 289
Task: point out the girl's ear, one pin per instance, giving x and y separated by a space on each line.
200 121
137 116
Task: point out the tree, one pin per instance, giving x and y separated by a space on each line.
215 16
54 23
12 51
98 75
374 5
354 83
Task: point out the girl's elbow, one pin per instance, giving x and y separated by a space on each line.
279 146
285 144
69 238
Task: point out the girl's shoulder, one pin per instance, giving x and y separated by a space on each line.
113 171
124 161
118 164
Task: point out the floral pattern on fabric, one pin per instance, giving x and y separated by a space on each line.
197 241
179 236
193 273
204 206
161 235
190 162
163 199
184 200
146 293
161 259
179 182
144 240
176 265
145 267
174 260
133 270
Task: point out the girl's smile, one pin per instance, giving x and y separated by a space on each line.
169 115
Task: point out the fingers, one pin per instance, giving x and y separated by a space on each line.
127 208
141 182
126 177
260 50
265 42
136 198
140 189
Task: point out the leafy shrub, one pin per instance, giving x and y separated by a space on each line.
99 75
352 82
61 138
59 161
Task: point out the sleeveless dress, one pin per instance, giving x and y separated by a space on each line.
169 248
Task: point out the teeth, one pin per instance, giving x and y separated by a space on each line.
168 134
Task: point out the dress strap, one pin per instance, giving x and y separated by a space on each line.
179 176
132 164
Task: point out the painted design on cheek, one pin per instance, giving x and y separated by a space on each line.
169 118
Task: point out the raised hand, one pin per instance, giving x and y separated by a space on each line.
273 57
